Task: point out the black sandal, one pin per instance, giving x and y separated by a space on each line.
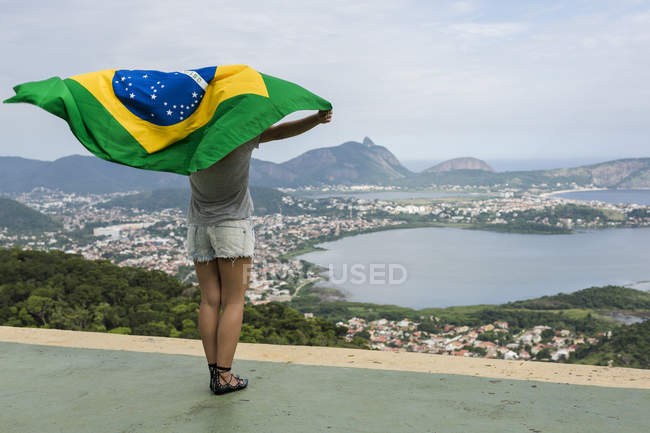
218 388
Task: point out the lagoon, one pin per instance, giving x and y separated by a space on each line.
449 266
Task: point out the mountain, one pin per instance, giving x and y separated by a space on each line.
466 163
17 217
272 174
265 200
80 174
348 163
620 173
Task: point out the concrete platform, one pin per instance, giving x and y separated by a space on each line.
50 388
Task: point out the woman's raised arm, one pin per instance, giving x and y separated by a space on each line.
295 127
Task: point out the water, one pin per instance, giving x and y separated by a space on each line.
390 195
450 266
631 196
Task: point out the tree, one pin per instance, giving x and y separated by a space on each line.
40 307
543 354
547 335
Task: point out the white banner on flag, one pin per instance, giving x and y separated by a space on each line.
196 77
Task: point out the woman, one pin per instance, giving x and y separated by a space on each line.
221 242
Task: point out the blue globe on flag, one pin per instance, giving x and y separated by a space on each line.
162 98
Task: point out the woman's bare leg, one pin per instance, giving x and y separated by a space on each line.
210 284
234 277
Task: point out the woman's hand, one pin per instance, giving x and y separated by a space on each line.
324 116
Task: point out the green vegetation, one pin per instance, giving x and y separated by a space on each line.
522 227
627 347
584 312
552 219
638 213
534 221
18 218
276 323
569 210
66 291
608 297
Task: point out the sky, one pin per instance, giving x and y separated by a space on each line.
429 80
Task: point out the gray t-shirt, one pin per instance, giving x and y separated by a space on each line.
220 192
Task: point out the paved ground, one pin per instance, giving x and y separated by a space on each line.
574 374
63 389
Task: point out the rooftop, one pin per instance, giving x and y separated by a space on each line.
70 381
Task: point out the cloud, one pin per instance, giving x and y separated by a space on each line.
425 79
497 30
462 7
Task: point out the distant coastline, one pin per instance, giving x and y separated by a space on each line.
563 191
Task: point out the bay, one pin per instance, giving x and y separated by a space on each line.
449 266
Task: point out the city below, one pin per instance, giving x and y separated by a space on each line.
156 240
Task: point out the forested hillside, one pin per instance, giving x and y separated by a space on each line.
18 218
609 297
627 347
65 291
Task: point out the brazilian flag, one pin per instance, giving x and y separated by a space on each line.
178 122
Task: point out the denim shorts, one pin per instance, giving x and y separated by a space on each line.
228 239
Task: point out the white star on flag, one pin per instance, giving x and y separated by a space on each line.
194 94
153 96
169 112
132 95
